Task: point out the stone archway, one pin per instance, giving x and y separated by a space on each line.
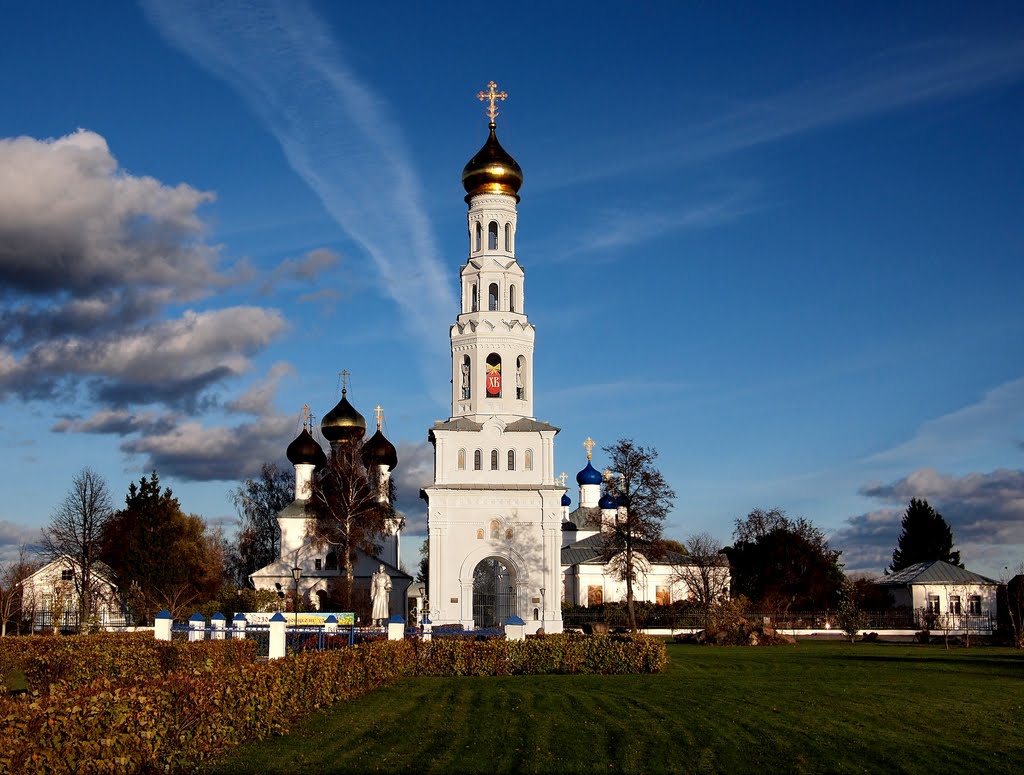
494 592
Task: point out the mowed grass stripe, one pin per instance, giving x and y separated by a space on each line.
815 707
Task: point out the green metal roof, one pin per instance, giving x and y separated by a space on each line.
934 572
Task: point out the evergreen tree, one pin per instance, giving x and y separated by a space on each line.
925 537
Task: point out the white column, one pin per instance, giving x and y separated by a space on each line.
196 627
277 636
238 623
217 623
162 625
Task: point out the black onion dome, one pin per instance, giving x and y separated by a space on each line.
343 424
378 451
492 171
305 449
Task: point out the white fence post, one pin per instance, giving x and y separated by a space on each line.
196 627
162 625
238 623
277 636
515 628
396 627
427 626
217 623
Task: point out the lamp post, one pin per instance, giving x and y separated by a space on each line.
423 610
296 574
542 603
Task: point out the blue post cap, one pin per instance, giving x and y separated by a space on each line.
396 619
514 620
197 617
165 614
332 619
426 620
218 617
238 617
278 617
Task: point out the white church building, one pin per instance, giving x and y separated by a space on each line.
503 538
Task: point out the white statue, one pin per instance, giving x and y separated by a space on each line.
380 591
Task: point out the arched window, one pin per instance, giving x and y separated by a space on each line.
478 460
479 236
494 460
462 460
495 529
492 235
464 375
508 237
511 298
520 378
493 378
511 460
528 460
473 301
492 297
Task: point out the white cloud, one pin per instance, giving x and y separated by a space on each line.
336 134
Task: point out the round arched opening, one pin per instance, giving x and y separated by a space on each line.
494 595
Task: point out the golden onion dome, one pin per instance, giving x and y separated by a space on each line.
343 424
492 170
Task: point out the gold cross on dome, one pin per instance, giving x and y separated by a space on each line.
380 415
562 478
492 95
305 417
589 444
344 379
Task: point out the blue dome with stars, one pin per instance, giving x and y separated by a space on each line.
608 501
566 500
589 475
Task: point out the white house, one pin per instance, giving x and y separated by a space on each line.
944 593
50 596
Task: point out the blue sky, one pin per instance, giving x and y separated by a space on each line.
781 244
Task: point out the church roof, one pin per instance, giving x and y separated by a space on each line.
585 516
456 424
526 425
296 508
590 551
934 572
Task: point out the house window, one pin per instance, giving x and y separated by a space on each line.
933 604
528 460
492 235
511 298
478 460
520 378
508 237
954 604
473 302
492 297
479 237
974 605
494 460
511 460
462 460
67 575
318 564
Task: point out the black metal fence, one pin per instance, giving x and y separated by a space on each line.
898 619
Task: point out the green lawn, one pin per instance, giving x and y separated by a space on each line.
814 707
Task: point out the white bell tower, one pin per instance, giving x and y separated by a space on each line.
495 504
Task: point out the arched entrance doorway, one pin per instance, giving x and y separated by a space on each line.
494 593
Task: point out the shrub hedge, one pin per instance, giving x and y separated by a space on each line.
173 721
53 663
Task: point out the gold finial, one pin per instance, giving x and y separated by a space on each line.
491 96
562 478
589 444
305 417
380 415
344 380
